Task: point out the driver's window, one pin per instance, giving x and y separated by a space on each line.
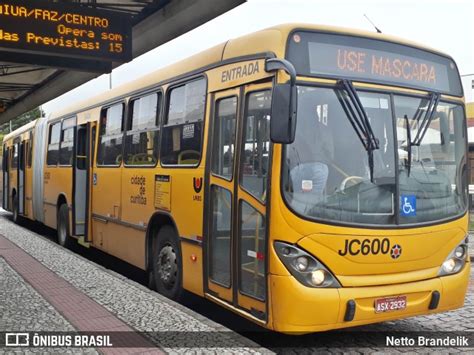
111 136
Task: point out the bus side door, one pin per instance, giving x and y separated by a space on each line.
236 240
220 238
21 177
83 159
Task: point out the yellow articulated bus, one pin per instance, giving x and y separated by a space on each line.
307 178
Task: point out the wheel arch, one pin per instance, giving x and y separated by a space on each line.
157 221
62 199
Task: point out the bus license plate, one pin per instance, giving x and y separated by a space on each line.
389 304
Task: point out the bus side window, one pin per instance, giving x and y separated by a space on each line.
223 149
67 142
5 158
30 151
15 155
141 142
256 144
182 132
53 144
110 136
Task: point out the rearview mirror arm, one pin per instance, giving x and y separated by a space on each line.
275 64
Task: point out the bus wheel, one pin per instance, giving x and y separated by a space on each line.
63 225
16 216
167 264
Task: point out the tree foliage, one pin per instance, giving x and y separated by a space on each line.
21 120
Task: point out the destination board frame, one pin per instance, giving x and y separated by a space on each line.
301 60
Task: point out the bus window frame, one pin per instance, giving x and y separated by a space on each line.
29 153
124 102
50 130
214 117
14 149
270 150
158 119
166 100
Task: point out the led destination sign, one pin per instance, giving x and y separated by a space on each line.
67 30
374 61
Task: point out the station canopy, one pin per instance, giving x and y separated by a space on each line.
30 80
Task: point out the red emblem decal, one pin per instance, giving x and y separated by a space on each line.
197 184
396 251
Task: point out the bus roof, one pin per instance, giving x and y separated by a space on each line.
272 40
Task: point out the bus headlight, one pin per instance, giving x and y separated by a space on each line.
455 260
449 265
305 267
302 263
318 277
459 252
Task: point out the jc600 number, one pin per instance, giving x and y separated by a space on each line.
365 247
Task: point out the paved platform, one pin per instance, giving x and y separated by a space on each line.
48 288
44 287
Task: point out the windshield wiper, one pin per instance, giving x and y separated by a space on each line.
422 128
429 114
359 120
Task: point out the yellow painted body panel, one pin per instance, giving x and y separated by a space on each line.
106 192
57 181
122 242
302 309
193 277
414 258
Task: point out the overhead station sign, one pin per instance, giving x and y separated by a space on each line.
64 30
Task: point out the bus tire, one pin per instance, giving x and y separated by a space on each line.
63 226
16 216
167 264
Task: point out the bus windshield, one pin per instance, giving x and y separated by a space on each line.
326 174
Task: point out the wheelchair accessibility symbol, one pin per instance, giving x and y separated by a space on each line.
408 205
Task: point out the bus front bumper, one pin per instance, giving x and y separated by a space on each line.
299 309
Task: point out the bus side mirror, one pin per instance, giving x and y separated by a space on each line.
283 115
284 103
